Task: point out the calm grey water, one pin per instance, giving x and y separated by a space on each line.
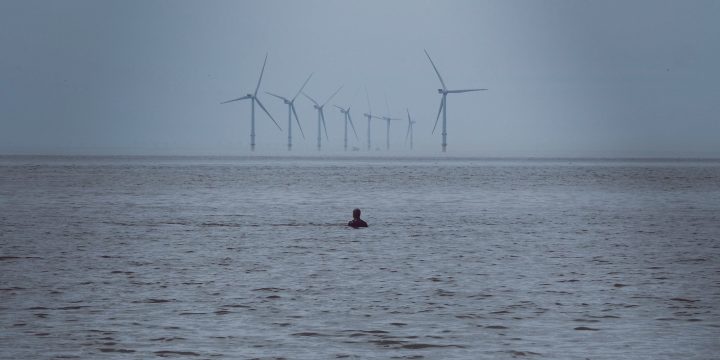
238 258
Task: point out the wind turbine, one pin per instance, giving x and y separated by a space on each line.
255 99
291 111
388 119
346 113
409 129
443 103
321 116
369 116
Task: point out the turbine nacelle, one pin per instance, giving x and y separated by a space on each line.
441 91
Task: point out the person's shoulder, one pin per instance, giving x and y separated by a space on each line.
356 223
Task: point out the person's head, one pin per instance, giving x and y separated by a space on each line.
356 213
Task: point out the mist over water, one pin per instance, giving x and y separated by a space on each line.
249 257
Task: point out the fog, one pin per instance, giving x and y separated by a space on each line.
565 78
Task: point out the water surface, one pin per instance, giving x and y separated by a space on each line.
135 258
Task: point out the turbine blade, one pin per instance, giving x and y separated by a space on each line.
268 114
261 75
277 96
462 91
238 99
352 125
368 100
302 87
292 106
436 70
322 116
311 99
341 109
410 122
333 95
442 104
407 134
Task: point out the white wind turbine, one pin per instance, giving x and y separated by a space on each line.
348 118
321 116
388 119
409 129
443 103
291 111
255 99
369 117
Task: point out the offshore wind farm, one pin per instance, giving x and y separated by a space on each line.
561 83
321 124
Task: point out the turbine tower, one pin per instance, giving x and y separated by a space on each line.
443 103
409 130
321 116
369 116
388 119
255 99
291 111
348 118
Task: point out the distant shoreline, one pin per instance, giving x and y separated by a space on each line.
360 158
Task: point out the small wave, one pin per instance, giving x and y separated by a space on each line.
164 339
425 346
5 258
587 320
153 301
8 258
497 327
223 225
124 351
516 353
683 300
271 289
168 353
12 288
308 333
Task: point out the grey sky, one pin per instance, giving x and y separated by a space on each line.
566 78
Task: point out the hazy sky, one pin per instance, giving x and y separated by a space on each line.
566 78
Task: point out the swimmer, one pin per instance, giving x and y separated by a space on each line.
357 222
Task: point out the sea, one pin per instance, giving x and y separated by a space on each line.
464 258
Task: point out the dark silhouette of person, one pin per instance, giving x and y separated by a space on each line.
357 222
